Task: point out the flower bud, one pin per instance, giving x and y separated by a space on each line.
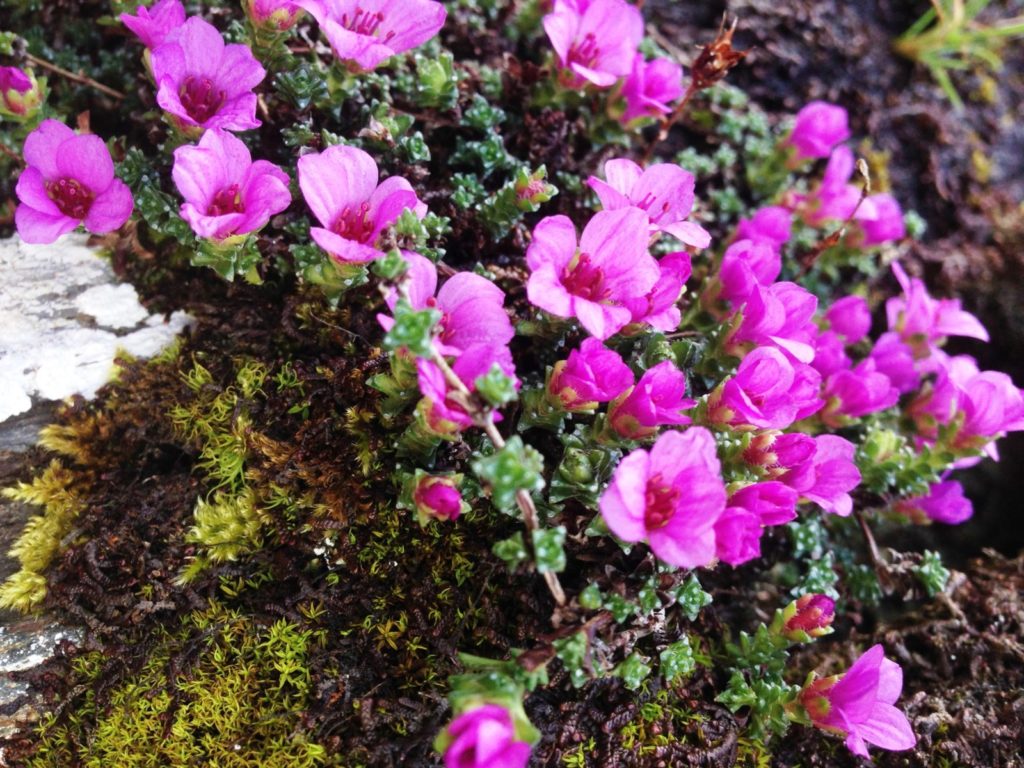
21 94
276 15
532 189
437 497
482 737
808 617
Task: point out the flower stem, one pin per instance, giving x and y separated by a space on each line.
76 78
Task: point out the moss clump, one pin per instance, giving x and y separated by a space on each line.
218 692
40 541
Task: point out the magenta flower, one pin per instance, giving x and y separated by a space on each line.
437 497
772 224
272 14
887 223
768 392
69 180
591 280
778 454
340 186
780 315
471 306
658 307
895 359
944 503
671 498
855 393
826 478
922 321
364 33
650 88
664 191
746 264
658 399
593 374
738 536
226 193
485 737
830 354
773 502
444 416
807 617
154 24
204 83
850 318
859 704
20 93
596 41
819 127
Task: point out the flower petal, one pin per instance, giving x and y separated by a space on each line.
110 209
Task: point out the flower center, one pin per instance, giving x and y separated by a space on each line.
71 197
659 503
584 279
585 52
645 205
354 224
228 200
365 23
200 98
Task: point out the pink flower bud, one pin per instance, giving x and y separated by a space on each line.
819 127
272 14
850 318
593 374
437 497
807 617
944 503
20 93
658 399
485 738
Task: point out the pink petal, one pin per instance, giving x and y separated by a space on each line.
544 289
561 31
554 243
623 504
601 320
31 190
683 548
237 114
42 144
345 251
340 177
888 728
110 209
610 197
38 228
690 233
622 174
202 46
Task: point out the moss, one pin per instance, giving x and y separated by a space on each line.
41 540
236 703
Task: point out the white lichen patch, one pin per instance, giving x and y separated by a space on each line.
63 319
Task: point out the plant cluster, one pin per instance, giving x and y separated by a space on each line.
629 384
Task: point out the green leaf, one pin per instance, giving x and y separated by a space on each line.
513 468
633 671
548 549
512 550
677 660
495 387
413 329
932 573
691 597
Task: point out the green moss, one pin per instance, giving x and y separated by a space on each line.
40 541
236 703
660 722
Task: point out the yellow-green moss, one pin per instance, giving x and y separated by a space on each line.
235 704
40 541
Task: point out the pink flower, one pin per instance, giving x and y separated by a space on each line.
828 477
658 307
442 415
747 264
272 14
664 191
593 374
225 192
658 399
596 43
830 354
69 180
773 502
771 224
859 704
204 83
484 737
780 315
438 497
887 223
20 93
650 88
944 503
819 127
850 318
855 393
895 359
590 281
671 497
922 321
737 536
768 392
364 33
471 306
340 186
153 25
807 617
